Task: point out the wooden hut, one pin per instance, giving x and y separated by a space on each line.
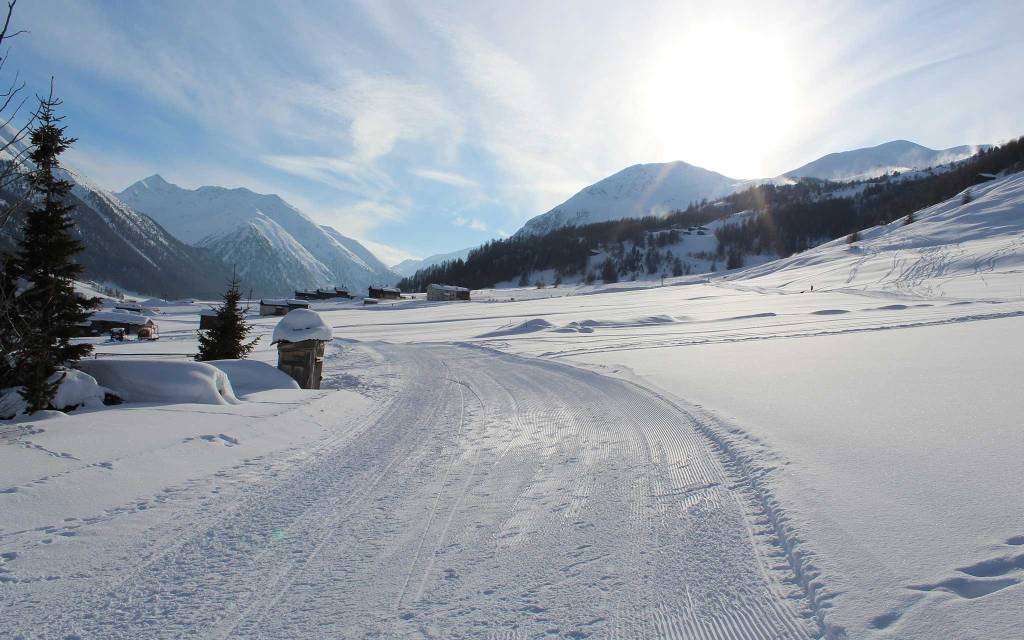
101 322
446 292
385 293
280 307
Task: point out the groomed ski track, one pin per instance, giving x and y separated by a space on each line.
488 496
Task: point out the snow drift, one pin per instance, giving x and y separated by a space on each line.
251 376
163 381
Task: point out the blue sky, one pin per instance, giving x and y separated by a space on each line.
422 128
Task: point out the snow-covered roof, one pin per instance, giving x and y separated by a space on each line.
448 287
127 317
301 324
283 302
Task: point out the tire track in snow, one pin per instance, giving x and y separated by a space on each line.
538 500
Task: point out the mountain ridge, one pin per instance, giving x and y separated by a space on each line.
656 188
274 244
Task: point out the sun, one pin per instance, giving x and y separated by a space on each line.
720 94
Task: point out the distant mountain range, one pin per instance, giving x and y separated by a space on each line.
656 189
871 162
130 250
274 247
634 192
411 266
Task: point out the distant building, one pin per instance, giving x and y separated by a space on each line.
208 319
128 306
384 293
444 292
322 294
101 322
280 307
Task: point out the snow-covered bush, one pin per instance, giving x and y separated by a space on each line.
75 389
250 376
164 381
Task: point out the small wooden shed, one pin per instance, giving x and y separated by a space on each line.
445 292
385 293
280 307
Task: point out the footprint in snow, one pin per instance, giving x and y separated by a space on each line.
982 578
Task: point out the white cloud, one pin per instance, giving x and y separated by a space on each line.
445 177
470 223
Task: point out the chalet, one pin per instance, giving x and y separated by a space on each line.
280 307
385 293
444 292
101 322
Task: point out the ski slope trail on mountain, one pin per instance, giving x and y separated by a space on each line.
488 496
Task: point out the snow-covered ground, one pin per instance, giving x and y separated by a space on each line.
739 457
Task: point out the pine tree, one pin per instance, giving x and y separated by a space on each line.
45 302
226 340
608 272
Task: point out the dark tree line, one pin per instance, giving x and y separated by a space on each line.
566 251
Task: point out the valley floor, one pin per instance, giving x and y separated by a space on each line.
745 457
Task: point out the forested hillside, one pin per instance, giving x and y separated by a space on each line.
784 219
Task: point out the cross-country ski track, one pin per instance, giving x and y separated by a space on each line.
484 495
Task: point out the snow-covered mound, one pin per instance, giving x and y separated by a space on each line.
276 247
163 381
301 324
871 162
75 389
960 247
250 376
634 192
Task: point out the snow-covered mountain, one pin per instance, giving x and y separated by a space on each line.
275 247
411 266
634 192
130 250
653 189
871 162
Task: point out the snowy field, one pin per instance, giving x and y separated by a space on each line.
740 457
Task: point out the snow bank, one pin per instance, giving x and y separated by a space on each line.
165 381
76 389
11 403
250 376
301 324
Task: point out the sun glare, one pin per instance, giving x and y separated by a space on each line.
716 88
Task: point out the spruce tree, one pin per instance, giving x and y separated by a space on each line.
43 269
226 340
